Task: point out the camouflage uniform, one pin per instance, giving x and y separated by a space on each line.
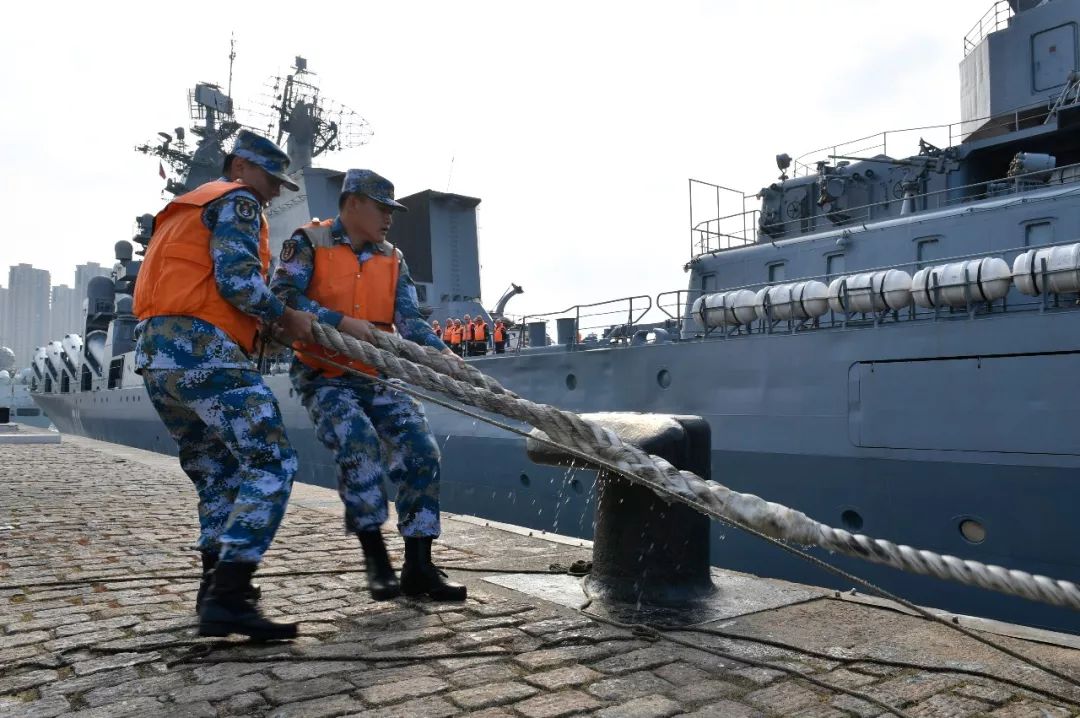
352 414
225 420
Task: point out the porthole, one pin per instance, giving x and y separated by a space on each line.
973 531
852 520
524 478
571 382
663 378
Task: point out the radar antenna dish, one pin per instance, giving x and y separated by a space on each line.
309 123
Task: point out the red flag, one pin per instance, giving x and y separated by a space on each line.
161 170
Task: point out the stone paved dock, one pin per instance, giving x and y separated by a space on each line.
92 515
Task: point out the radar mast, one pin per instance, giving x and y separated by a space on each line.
307 122
214 122
294 111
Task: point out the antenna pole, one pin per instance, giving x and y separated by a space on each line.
232 56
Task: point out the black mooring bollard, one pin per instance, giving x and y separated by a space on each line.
646 550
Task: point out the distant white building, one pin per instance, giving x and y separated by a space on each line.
27 313
66 312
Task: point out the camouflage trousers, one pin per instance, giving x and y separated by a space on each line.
376 432
228 428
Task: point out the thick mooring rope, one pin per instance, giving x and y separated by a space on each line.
428 368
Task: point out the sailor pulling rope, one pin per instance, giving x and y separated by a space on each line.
427 368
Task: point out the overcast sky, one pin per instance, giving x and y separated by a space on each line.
576 123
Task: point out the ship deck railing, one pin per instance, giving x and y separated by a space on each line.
741 229
611 321
677 304
994 19
939 135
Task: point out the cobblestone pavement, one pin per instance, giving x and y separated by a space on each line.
102 646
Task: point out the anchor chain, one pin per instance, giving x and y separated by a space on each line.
428 368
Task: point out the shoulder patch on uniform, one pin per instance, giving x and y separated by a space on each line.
288 250
246 209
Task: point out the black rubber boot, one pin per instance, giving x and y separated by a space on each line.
209 560
419 575
229 609
382 582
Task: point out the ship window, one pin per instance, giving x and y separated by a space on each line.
776 272
708 283
834 266
1038 233
973 531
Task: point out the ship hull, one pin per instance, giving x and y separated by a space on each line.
804 434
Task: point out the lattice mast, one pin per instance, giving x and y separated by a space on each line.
307 122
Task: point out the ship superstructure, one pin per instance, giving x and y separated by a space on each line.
888 344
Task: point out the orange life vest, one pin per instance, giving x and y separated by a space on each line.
468 329
177 275
480 332
341 283
454 334
438 331
500 333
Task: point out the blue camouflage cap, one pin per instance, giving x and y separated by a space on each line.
264 153
369 184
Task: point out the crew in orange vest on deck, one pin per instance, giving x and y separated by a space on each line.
467 335
499 335
459 330
453 331
480 343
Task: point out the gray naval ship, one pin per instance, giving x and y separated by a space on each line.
891 345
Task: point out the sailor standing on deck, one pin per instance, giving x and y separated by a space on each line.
467 335
201 293
455 336
345 273
480 336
